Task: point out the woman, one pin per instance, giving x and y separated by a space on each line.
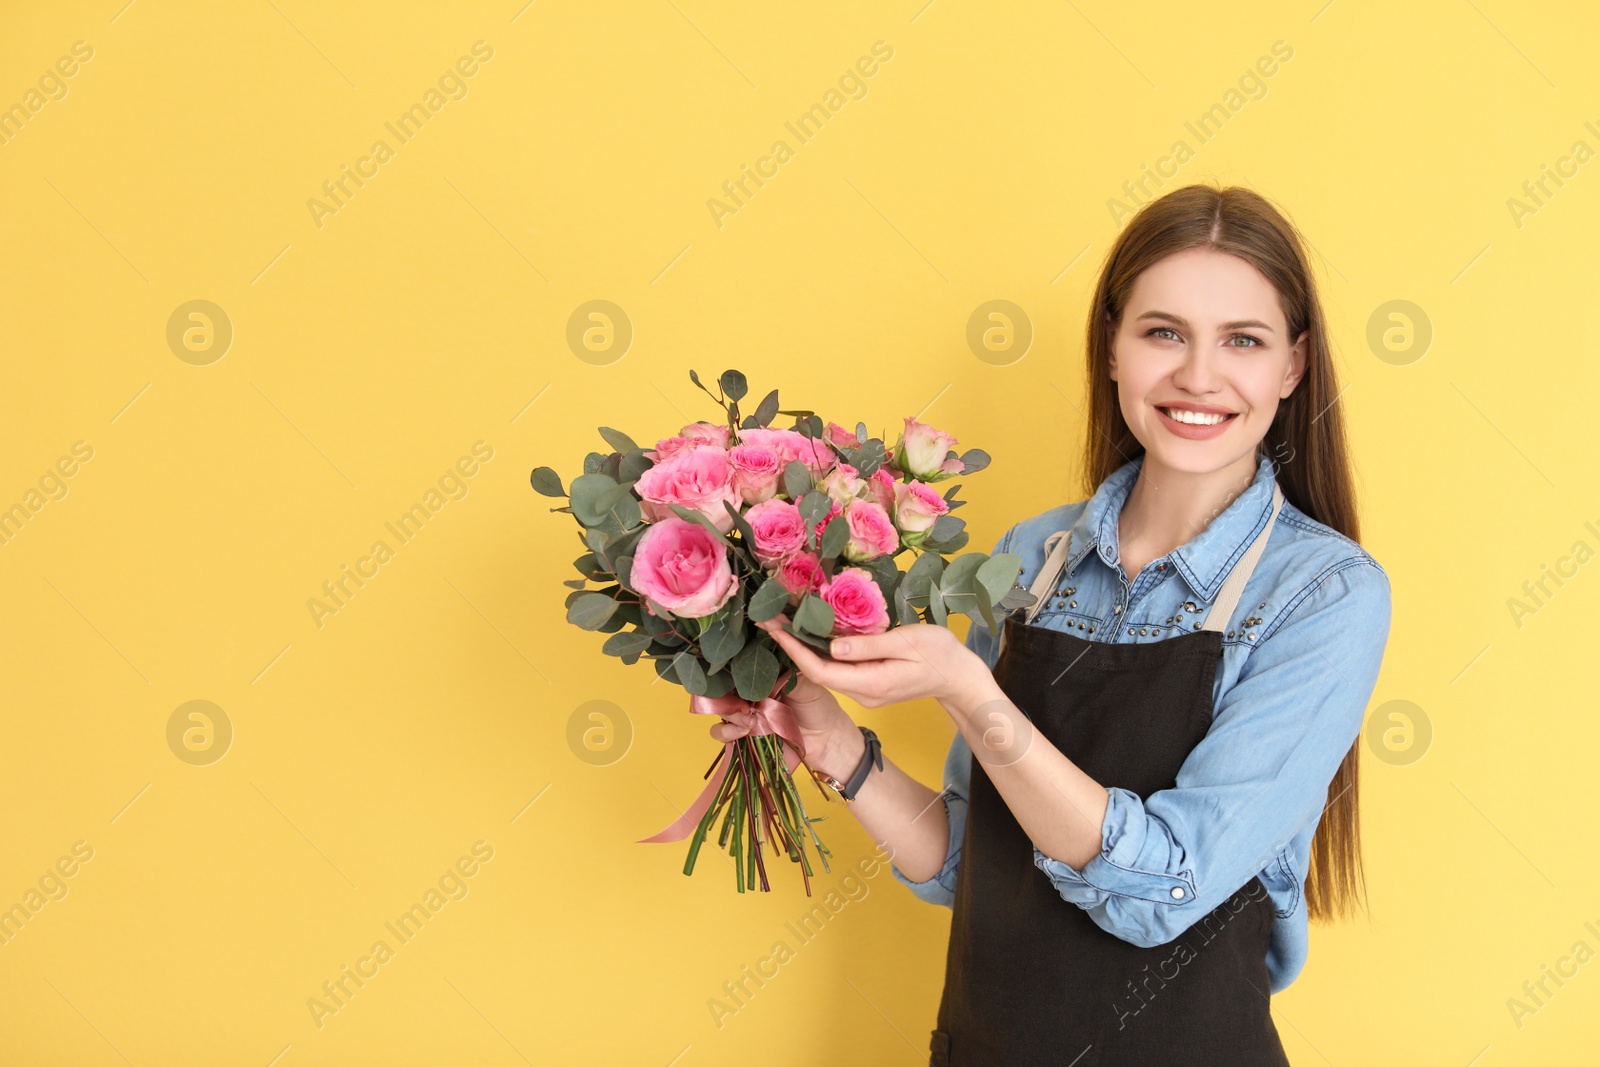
1153 780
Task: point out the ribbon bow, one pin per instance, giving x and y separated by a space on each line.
769 715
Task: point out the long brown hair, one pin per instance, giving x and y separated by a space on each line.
1306 441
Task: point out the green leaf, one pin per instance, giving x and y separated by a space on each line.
796 479
587 491
998 574
594 461
621 503
869 457
619 441
928 569
974 460
691 674
767 408
733 385
814 615
814 506
624 644
591 610
936 606
768 601
588 565
985 608
723 638
633 464
834 538
958 572
547 482
861 433
719 683
755 671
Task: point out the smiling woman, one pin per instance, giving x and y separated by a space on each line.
1154 769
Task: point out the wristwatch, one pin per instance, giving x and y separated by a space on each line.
872 757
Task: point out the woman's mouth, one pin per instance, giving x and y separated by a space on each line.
1195 425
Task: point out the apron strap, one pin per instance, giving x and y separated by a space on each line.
1059 545
1233 588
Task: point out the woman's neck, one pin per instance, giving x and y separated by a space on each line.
1168 508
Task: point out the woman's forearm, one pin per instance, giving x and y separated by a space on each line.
1060 807
898 812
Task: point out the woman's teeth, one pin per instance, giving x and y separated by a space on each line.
1193 418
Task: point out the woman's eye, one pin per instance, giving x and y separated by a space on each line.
1163 329
1255 342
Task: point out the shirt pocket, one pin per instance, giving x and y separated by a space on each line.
1281 881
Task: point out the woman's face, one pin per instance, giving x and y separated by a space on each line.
1201 359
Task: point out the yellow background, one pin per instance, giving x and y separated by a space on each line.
430 313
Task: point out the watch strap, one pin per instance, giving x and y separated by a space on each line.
872 757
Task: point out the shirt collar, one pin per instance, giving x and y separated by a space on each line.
1203 561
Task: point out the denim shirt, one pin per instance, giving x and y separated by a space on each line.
1299 662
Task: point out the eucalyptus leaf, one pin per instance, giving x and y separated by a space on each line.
619 441
623 644
733 385
588 491
755 671
814 615
974 460
814 506
546 482
768 601
985 608
796 479
723 638
691 674
591 610
633 465
834 538
767 408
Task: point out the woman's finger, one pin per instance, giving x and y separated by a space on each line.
804 657
728 731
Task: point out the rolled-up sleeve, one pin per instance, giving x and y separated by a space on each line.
941 888
1257 778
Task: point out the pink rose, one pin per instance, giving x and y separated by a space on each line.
700 478
857 602
881 488
681 566
801 573
840 436
872 532
779 529
792 445
916 507
843 484
694 435
756 471
922 449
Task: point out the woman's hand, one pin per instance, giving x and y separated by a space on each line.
905 663
826 729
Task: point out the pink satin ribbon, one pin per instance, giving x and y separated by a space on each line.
768 715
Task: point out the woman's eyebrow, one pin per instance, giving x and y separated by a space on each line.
1238 324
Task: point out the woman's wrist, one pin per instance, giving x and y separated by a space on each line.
839 754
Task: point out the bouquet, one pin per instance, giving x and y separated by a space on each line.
735 522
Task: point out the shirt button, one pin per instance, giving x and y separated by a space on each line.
1116 609
1177 892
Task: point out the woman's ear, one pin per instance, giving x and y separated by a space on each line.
1111 346
1297 364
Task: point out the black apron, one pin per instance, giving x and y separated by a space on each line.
1029 978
